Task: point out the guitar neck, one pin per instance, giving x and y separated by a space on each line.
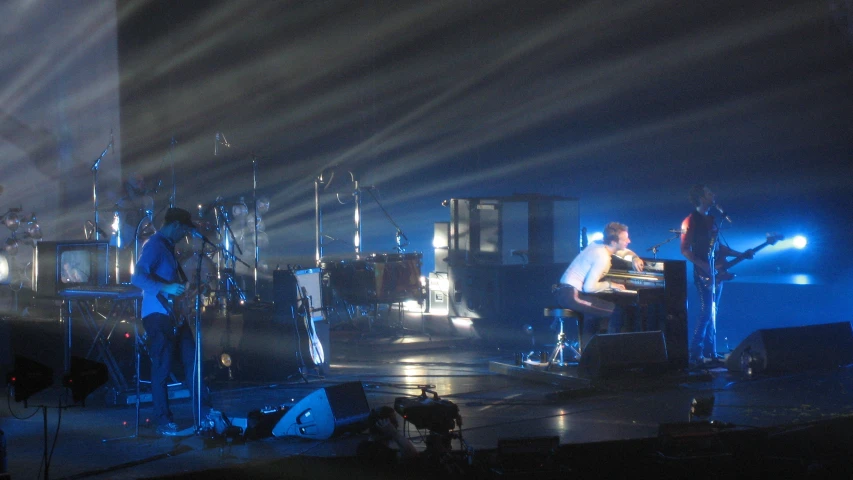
731 263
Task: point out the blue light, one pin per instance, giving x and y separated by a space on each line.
800 242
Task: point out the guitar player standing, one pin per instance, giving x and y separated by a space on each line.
699 233
161 278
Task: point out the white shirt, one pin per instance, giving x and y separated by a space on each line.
587 269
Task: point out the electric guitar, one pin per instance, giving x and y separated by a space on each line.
723 265
178 307
307 334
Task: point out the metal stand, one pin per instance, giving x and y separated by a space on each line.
255 222
95 168
122 296
557 355
318 214
136 354
197 373
713 279
654 248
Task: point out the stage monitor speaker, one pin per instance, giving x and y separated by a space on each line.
780 350
326 412
606 354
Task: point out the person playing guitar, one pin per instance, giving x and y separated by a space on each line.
699 235
161 279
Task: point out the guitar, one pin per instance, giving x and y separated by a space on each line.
307 334
178 307
723 275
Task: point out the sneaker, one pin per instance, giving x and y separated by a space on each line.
168 429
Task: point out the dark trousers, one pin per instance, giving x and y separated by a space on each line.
163 340
704 341
593 309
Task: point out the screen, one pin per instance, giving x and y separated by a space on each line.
75 266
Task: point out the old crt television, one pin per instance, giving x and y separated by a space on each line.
61 265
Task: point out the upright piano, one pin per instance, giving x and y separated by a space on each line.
655 299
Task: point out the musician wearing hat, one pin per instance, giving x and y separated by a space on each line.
162 281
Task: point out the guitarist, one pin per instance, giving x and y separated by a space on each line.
699 233
161 278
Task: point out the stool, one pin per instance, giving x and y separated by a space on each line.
560 314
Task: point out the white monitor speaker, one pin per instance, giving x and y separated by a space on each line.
325 413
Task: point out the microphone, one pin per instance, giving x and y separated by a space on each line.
201 236
676 230
725 216
216 145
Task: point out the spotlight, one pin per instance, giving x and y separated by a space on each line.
800 242
596 237
225 360
29 377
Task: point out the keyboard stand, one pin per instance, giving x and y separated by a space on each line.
125 299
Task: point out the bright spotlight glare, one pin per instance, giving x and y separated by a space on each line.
800 241
596 237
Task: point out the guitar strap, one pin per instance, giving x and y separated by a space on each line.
181 274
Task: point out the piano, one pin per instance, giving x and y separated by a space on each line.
654 299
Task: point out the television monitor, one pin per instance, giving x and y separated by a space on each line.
61 265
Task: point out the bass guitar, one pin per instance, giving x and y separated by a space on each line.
723 275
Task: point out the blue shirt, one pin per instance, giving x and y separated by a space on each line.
157 266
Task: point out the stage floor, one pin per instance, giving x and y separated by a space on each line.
493 406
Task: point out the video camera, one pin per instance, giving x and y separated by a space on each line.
430 413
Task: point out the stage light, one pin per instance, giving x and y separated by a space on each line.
4 270
29 377
225 360
596 236
800 242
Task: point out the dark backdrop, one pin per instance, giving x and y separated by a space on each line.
621 104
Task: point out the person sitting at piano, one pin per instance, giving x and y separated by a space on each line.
161 279
699 232
584 278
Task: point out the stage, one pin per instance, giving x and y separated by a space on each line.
631 421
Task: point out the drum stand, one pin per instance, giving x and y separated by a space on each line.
400 327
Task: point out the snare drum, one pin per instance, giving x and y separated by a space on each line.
375 278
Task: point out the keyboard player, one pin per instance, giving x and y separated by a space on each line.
584 278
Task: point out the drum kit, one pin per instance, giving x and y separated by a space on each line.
24 231
362 282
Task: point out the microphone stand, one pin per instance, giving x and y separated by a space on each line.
197 377
400 236
257 298
654 248
255 220
712 259
95 168
174 194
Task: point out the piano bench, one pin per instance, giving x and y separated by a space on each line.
564 345
560 312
